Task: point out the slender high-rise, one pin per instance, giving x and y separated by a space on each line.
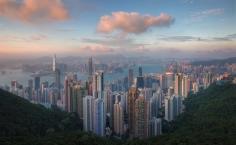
141 117
54 63
131 77
88 113
132 96
98 85
118 118
90 66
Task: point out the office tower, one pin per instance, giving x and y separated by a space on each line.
36 83
99 117
54 63
140 71
90 66
131 77
155 127
140 79
98 84
141 117
178 84
118 118
88 113
132 96
185 86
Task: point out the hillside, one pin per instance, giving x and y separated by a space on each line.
209 119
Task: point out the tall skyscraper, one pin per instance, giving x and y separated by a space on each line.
98 85
141 117
132 96
118 118
36 83
88 113
54 63
140 79
90 66
186 86
178 84
131 77
99 117
140 71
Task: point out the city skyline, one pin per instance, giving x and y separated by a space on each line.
187 28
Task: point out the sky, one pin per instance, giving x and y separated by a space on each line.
155 28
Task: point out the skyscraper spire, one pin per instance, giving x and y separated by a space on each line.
54 63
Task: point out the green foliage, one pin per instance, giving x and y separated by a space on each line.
209 119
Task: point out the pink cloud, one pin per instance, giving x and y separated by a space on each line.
97 49
132 22
33 10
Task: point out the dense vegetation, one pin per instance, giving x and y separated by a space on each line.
209 119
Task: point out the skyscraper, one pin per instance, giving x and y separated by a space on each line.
178 84
140 79
118 118
99 117
36 83
131 77
88 113
141 117
140 71
132 96
98 85
90 66
54 63
185 86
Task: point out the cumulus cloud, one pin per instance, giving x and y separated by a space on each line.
132 22
33 10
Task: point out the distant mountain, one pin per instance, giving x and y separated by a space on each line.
209 119
216 61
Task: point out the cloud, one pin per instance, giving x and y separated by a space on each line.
182 38
96 49
33 10
132 22
206 13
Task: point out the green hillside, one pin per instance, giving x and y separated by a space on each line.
209 119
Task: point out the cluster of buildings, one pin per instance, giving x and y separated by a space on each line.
134 107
